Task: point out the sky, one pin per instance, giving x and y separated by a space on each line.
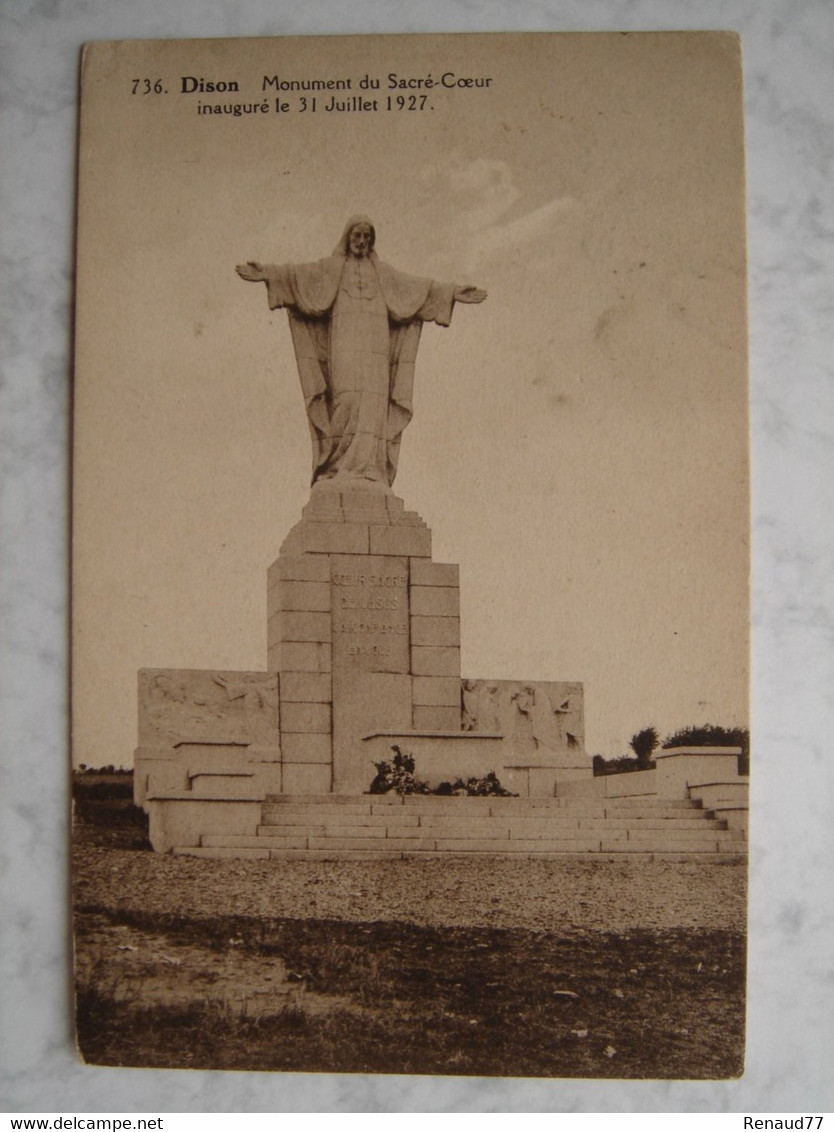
579 441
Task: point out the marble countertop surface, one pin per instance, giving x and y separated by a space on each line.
789 60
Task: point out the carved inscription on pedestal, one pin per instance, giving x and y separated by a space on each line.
369 611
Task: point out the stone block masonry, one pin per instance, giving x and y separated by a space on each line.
389 827
363 654
361 620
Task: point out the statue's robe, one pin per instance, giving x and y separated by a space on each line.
355 325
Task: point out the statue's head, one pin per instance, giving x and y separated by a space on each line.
358 238
361 240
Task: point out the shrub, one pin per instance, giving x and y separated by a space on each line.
710 735
643 743
625 764
399 777
486 787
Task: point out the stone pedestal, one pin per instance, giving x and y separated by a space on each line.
364 633
363 655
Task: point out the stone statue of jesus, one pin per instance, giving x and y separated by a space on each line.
355 325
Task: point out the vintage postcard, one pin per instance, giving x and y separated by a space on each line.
410 555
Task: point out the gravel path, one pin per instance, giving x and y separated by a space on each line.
568 897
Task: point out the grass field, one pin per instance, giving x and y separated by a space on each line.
217 989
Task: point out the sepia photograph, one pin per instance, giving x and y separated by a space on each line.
410 556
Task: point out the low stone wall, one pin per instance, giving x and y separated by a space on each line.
178 822
680 768
444 756
634 784
705 775
728 799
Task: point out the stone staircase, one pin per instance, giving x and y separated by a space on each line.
371 827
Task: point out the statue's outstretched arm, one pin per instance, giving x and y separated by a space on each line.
469 294
253 272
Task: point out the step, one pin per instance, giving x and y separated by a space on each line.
484 822
698 833
332 854
368 832
248 841
382 806
458 845
560 823
497 827
438 800
563 851
518 845
304 800
649 803
253 848
281 812
342 829
721 843
382 844
735 817
700 820
482 807
317 816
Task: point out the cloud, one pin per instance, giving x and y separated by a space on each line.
485 189
487 201
532 227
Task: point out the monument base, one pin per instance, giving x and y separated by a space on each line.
363 654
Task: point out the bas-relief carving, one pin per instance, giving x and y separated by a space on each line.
193 705
355 325
539 720
481 706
